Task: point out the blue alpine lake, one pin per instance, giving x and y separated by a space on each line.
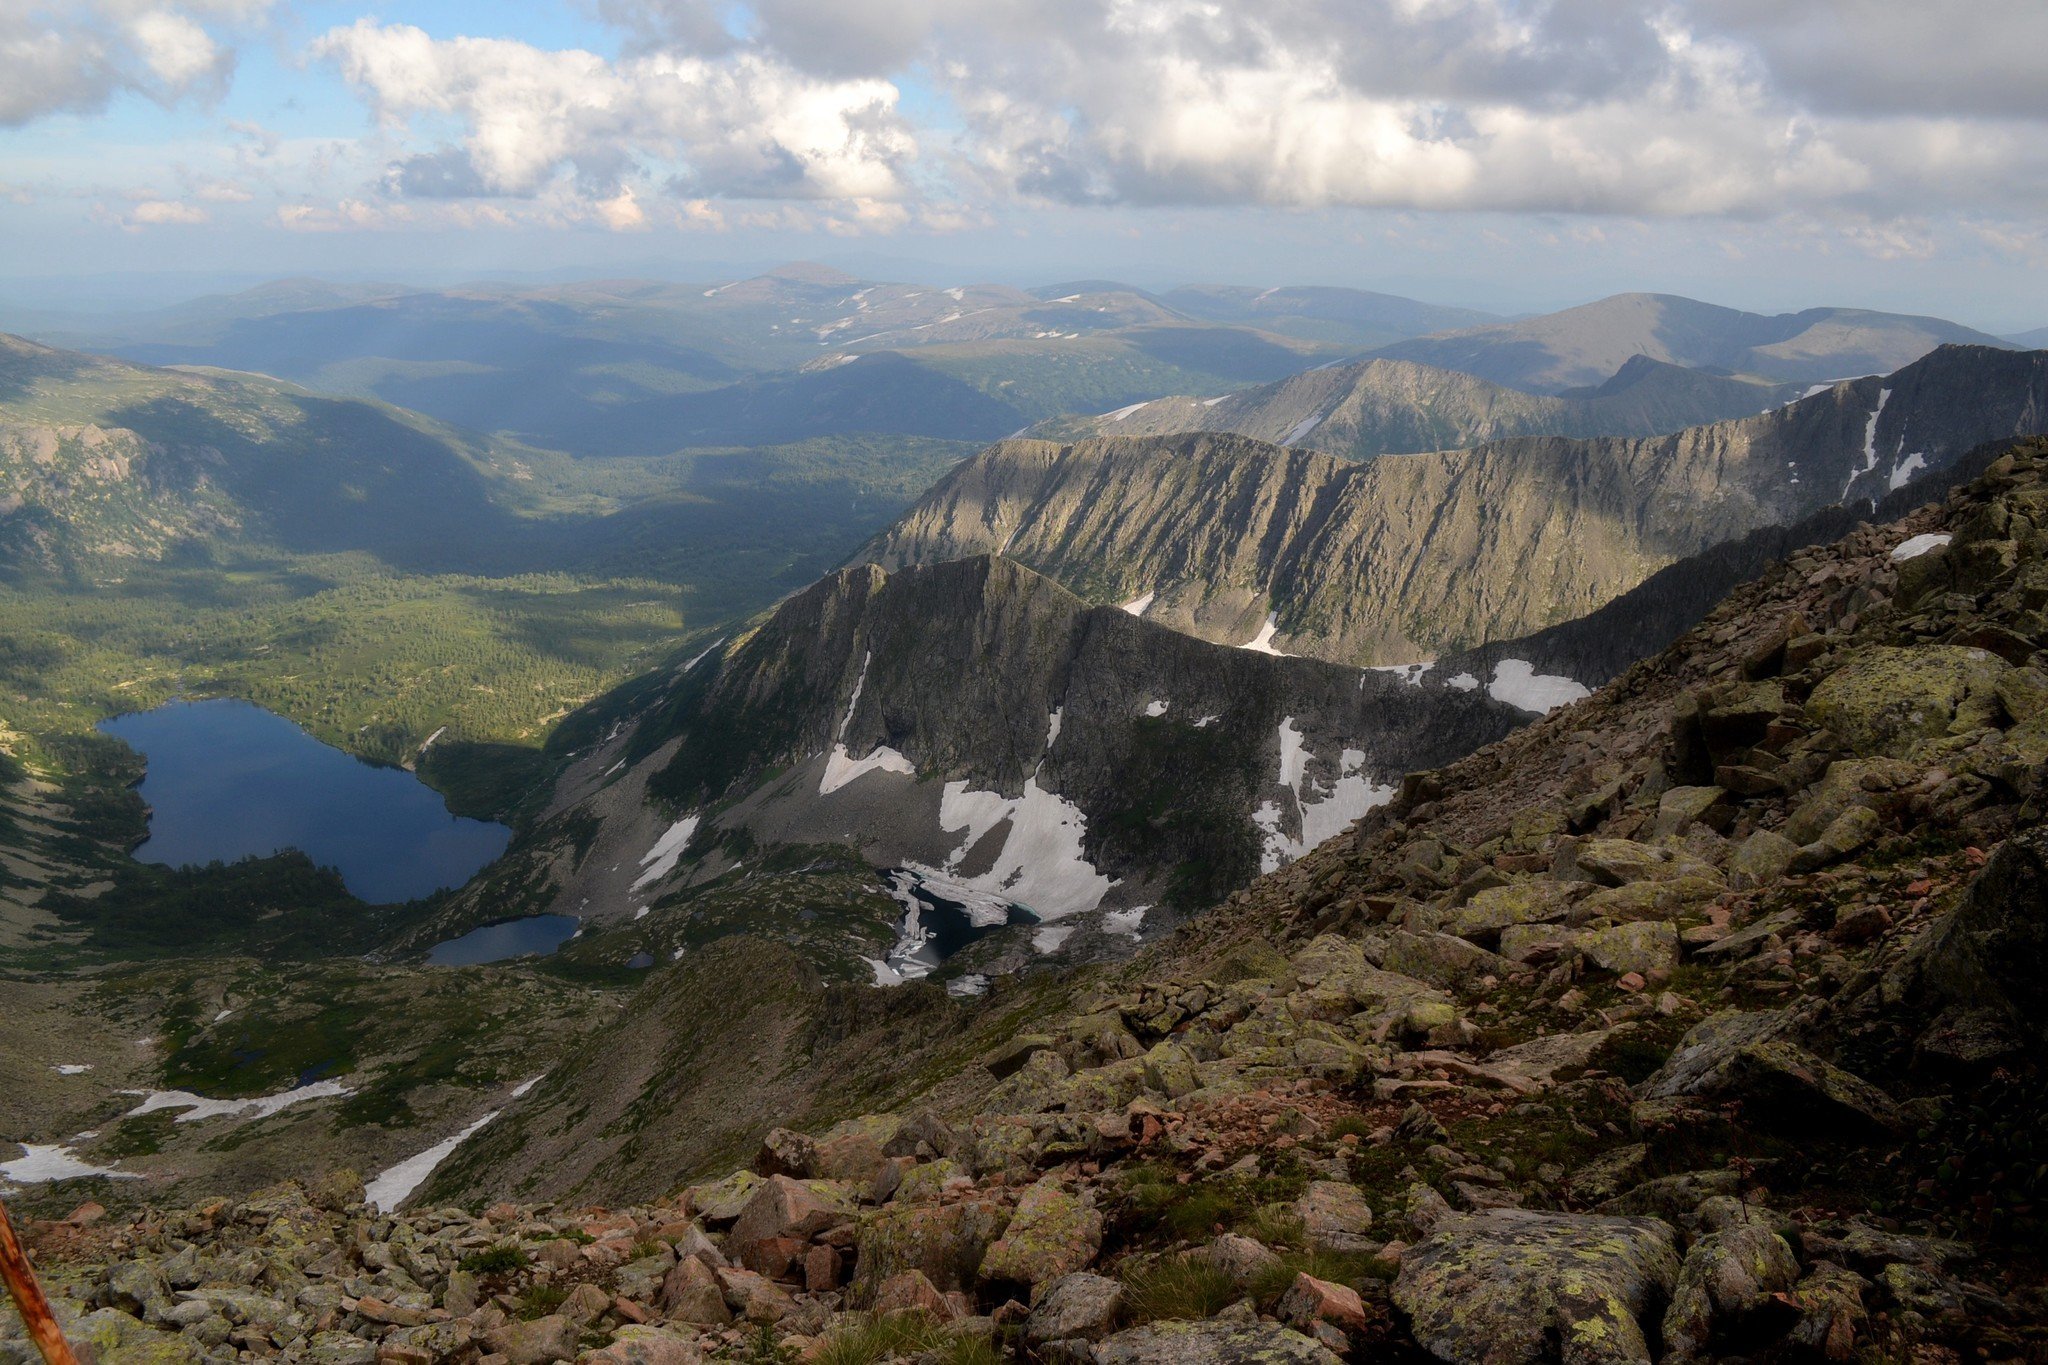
228 780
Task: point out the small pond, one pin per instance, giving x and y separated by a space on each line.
533 936
228 780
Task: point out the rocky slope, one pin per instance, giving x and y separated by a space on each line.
1401 558
1377 407
993 742
1581 346
1700 1020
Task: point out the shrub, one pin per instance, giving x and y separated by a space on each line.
499 1260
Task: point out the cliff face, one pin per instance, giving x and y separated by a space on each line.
982 726
1402 558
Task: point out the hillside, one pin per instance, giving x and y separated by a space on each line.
1023 757
1700 1020
1346 317
1584 345
1377 407
1398 559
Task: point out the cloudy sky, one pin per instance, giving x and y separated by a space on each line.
1501 153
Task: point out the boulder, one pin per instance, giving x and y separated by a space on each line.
1760 859
1679 808
1752 1058
1649 900
1992 952
756 1298
1309 1301
1495 1288
1482 918
908 1291
1078 1305
947 1242
1644 946
1441 960
1831 1312
721 1200
786 1152
1887 700
1847 833
1618 862
112 1337
1052 1234
692 1293
780 1217
1727 1277
539 1342
638 1345
1335 1217
1213 1343
1240 1259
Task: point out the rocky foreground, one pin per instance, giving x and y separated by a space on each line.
1699 1021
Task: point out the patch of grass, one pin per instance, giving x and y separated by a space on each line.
1173 1287
1351 1125
498 1260
867 1338
1351 1269
540 1300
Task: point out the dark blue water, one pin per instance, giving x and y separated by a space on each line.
534 936
228 780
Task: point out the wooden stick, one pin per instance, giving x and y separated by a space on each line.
28 1297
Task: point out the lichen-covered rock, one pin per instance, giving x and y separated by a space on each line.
1334 1216
114 1338
1309 1301
1441 960
1751 1057
692 1293
1760 859
1831 1311
539 1342
721 1200
1845 834
947 1243
1644 946
1053 1233
1650 900
635 1344
1482 918
1618 862
1212 1343
1993 951
1886 700
1493 1288
1074 1306
1727 1276
1239 1259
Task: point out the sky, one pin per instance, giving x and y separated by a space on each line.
1513 155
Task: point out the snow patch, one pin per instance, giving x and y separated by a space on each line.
72 1068
1212 402
661 860
639 912
1049 938
1464 682
1905 469
1040 866
1324 811
974 983
1138 606
1126 922
1206 721
529 1083
1122 413
841 769
1920 545
390 1189
1302 428
1155 708
199 1107
39 1165
1408 673
1869 442
703 654
1516 682
1262 643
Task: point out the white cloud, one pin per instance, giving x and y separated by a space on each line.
165 212
1665 108
742 124
75 57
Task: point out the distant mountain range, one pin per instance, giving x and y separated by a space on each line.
1584 346
1376 407
1405 557
2036 338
